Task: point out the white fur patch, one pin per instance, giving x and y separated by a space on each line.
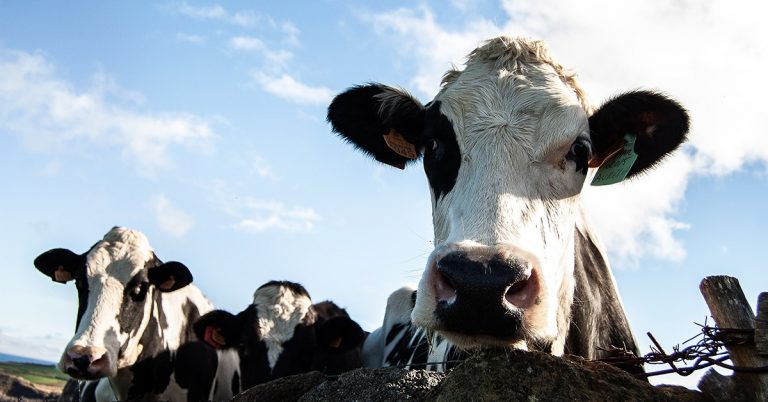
279 312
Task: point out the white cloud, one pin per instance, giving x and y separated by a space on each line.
288 88
275 215
52 168
171 220
218 13
709 55
25 344
188 38
419 38
254 215
48 113
246 43
262 168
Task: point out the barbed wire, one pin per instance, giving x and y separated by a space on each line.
709 350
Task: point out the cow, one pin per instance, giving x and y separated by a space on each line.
134 337
399 343
506 146
282 333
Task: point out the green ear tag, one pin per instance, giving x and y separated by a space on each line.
616 169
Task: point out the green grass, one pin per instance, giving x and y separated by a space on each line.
35 373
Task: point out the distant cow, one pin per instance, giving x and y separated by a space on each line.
282 334
134 324
506 146
399 343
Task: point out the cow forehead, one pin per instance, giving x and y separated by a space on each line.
526 106
121 255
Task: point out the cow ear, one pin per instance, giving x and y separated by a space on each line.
170 276
219 329
382 121
656 124
60 264
339 334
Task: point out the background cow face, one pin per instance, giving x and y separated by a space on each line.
117 281
506 146
282 334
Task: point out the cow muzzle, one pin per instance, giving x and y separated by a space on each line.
85 362
483 293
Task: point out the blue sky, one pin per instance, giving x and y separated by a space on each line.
203 125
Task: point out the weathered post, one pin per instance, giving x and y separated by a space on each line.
730 309
761 325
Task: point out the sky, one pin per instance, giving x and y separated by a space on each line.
202 124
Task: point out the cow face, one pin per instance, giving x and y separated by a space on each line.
506 145
280 334
118 282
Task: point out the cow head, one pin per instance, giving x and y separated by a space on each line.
278 334
506 145
118 281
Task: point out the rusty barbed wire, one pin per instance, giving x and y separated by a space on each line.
709 350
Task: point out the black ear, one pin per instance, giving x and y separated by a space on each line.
60 264
339 334
658 123
382 121
219 329
170 276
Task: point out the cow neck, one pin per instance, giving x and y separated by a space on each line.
598 319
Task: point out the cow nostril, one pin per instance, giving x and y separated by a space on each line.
444 287
82 362
521 293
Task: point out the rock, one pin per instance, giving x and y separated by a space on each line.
376 385
534 376
14 388
283 389
486 376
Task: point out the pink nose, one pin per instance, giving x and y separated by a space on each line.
85 362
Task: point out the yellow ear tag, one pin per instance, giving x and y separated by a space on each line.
61 275
400 145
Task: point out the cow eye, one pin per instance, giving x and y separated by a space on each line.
434 148
579 151
139 291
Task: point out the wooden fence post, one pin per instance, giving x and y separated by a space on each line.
761 325
730 309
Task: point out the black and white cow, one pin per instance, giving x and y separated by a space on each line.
506 146
134 334
282 334
399 343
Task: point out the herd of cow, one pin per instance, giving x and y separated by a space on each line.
506 146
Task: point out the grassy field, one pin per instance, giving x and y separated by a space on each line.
35 373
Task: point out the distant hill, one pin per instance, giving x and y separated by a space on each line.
13 358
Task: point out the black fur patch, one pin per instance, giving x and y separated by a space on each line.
442 163
132 308
660 124
236 383
195 369
150 376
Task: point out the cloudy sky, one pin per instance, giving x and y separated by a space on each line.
203 125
